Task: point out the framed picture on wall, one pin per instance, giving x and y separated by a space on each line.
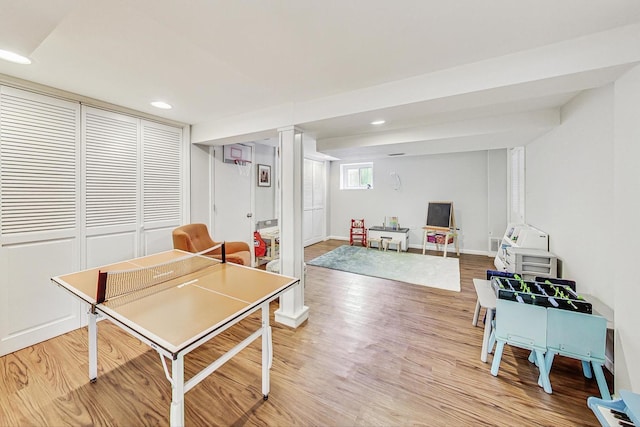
264 176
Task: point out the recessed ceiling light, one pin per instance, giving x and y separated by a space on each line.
161 104
14 57
378 122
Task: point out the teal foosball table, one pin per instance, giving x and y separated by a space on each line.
549 319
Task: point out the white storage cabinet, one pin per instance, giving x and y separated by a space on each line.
520 236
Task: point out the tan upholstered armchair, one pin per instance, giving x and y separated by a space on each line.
196 238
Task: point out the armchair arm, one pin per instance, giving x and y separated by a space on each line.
230 248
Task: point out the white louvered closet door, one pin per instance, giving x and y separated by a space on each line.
161 185
314 201
40 210
80 187
110 186
307 202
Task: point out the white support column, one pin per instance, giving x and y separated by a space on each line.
292 311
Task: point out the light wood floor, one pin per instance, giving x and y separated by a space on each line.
374 352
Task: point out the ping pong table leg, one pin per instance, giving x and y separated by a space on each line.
177 392
267 351
93 346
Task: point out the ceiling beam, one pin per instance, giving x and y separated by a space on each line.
575 64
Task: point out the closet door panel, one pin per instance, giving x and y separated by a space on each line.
318 199
33 309
157 240
40 211
111 185
38 157
307 226
317 232
110 248
314 201
307 184
162 195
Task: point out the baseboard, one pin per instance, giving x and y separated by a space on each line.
314 241
419 247
450 250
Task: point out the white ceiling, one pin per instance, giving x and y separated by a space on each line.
241 69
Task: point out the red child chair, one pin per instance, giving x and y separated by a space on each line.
358 231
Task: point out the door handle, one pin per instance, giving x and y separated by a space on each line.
249 215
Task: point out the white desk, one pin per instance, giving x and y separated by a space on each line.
396 234
487 300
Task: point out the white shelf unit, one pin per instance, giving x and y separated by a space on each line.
531 263
520 236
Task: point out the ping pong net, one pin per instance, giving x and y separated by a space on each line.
123 283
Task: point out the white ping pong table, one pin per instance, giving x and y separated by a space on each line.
182 313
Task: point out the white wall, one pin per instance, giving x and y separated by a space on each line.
201 179
459 177
201 175
569 191
583 188
497 193
626 231
265 196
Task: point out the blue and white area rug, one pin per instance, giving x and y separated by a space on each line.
425 270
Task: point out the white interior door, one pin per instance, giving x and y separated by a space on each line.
232 200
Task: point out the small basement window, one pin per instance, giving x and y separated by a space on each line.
356 176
